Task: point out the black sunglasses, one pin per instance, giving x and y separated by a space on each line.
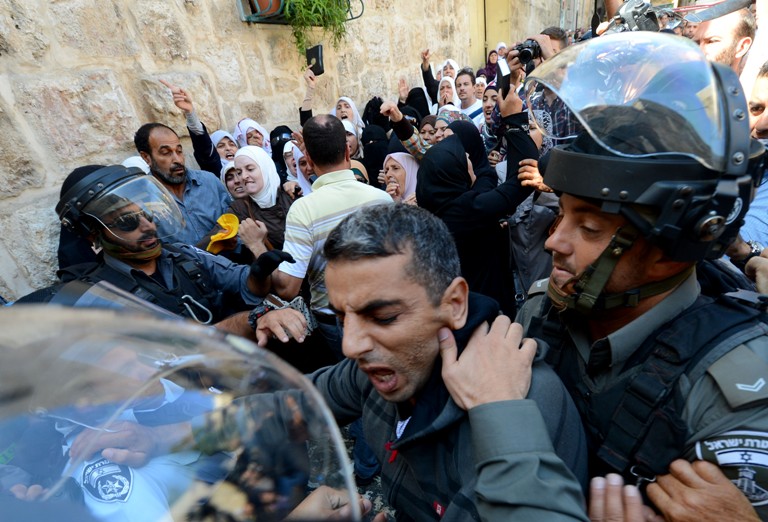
130 222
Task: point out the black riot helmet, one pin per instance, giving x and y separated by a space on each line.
113 198
665 141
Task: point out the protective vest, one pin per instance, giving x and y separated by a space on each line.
635 426
192 289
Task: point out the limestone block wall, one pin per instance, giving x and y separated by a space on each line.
78 77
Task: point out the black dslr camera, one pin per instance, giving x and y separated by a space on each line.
528 50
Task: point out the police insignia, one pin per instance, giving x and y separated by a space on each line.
107 482
743 458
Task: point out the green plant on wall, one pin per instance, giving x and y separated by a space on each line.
329 15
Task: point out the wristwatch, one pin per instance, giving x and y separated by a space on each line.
755 249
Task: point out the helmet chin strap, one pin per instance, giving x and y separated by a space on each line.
588 293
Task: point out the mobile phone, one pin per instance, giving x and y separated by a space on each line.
315 59
502 77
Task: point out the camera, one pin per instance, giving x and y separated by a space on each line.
634 15
528 50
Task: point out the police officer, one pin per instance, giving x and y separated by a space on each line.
659 180
121 211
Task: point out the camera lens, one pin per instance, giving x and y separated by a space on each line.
526 55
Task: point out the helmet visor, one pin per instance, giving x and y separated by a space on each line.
135 208
209 419
638 94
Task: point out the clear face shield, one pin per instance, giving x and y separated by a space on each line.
622 86
137 418
137 203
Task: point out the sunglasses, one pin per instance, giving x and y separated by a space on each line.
130 222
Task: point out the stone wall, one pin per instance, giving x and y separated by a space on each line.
78 77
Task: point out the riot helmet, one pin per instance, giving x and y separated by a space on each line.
116 199
665 143
228 431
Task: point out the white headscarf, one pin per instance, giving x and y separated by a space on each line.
356 119
499 46
226 168
455 100
453 63
136 161
306 186
267 196
219 135
350 127
242 128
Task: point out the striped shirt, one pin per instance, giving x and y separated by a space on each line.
311 218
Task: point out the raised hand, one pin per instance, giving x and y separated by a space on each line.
390 110
310 79
402 90
529 175
181 98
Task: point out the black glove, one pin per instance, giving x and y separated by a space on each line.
268 262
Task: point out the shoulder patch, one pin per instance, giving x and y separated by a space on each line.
538 287
741 376
743 457
106 481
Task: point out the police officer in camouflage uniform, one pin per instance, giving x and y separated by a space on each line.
659 180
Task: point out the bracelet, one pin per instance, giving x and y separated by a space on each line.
258 312
271 302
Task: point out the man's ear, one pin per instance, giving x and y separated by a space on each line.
454 304
310 162
146 157
742 46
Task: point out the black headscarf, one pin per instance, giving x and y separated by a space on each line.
279 136
418 100
415 116
372 114
443 175
375 144
473 145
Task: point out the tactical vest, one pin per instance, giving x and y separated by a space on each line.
634 426
192 289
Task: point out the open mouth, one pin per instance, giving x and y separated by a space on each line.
384 380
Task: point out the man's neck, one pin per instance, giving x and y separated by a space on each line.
177 189
149 267
319 171
469 102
